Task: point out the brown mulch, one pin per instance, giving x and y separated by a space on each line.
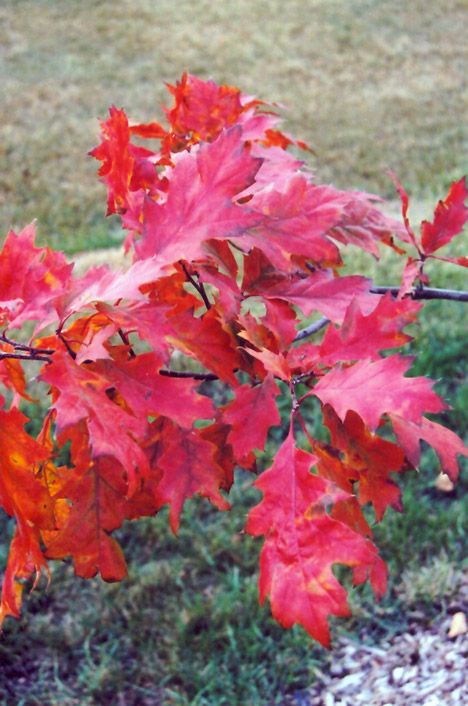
420 667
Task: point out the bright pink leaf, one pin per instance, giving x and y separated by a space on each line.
329 295
374 388
365 226
295 222
363 336
32 279
100 284
200 201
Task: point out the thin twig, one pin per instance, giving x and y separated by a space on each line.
426 293
66 344
295 404
23 347
188 374
198 286
301 421
124 337
417 293
313 328
303 376
237 247
23 356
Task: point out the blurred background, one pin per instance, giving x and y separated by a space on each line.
370 85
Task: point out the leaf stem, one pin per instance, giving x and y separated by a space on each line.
198 285
124 337
66 344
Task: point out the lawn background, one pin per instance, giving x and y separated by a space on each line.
370 85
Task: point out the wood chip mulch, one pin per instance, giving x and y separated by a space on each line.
421 667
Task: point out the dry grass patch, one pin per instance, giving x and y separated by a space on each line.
369 84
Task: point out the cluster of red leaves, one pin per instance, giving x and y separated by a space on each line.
234 243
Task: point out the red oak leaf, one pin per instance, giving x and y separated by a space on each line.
25 498
117 163
100 284
462 260
202 108
229 295
445 442
450 216
302 543
278 166
374 388
251 414
370 459
80 394
347 510
295 222
207 341
189 467
200 201
147 319
364 225
12 373
409 237
98 506
125 168
363 336
274 363
148 393
222 253
281 320
253 329
259 273
217 435
148 130
329 295
412 271
304 359
25 559
32 279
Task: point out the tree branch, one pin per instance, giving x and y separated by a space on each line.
313 328
24 356
417 293
188 374
198 286
23 347
426 293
